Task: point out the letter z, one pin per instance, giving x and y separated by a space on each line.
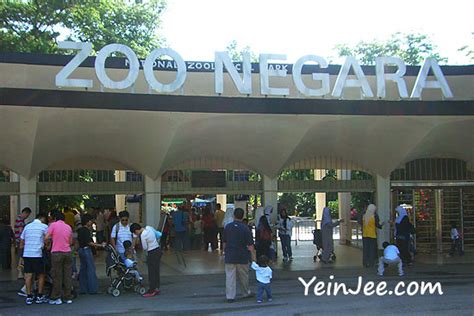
62 77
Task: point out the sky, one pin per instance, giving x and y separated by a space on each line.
196 29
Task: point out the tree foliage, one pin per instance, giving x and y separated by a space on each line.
235 52
412 48
469 51
37 25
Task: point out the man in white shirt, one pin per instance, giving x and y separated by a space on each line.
31 247
148 237
391 256
121 232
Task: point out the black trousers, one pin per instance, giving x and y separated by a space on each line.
263 248
220 232
369 251
153 263
402 245
210 237
456 244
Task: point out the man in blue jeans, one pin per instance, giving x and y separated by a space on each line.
285 226
180 222
87 277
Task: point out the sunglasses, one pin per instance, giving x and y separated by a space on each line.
124 220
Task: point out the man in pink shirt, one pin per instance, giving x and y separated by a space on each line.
60 234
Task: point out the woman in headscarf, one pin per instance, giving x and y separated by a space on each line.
403 231
229 216
327 226
263 237
370 223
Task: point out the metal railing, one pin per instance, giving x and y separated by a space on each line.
303 231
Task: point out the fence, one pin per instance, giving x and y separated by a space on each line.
303 231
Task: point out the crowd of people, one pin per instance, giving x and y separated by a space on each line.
193 228
47 247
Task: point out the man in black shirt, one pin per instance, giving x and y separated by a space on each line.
238 242
87 278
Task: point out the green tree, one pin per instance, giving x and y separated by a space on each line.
412 48
468 50
49 202
235 52
37 25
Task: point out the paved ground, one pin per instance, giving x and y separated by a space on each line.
186 293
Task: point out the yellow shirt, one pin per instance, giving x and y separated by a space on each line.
69 219
369 229
220 218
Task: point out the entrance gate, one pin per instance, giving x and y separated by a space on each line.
432 210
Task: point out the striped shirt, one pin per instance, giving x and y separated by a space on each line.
19 225
33 235
122 235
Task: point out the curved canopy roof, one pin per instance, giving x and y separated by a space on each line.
38 136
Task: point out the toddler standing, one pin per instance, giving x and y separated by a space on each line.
264 276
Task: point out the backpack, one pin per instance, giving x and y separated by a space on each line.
318 238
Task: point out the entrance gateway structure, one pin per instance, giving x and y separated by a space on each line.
417 150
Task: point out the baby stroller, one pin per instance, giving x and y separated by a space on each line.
318 241
120 276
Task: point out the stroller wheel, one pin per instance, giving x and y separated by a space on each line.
142 290
115 292
110 289
314 258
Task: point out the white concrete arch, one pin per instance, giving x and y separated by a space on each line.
262 142
370 142
454 139
136 140
17 138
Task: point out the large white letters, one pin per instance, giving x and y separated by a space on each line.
150 76
342 81
100 66
324 78
265 73
397 77
440 82
243 83
222 59
62 76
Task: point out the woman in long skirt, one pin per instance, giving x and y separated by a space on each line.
403 231
327 226
370 223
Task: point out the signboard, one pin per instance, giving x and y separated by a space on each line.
208 179
350 75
